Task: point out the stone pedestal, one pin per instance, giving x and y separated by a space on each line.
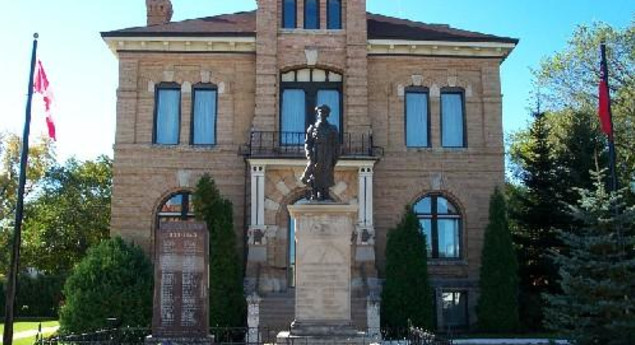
323 232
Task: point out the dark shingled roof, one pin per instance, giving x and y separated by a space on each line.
384 27
236 24
243 24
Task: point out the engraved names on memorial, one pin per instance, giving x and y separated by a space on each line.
181 278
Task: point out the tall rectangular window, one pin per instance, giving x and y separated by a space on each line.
452 120
417 119
167 120
293 120
204 111
334 14
311 14
289 14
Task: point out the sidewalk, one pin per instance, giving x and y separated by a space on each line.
32 333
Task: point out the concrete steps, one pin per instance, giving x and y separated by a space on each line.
278 310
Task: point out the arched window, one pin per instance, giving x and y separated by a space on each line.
301 91
441 223
291 247
178 207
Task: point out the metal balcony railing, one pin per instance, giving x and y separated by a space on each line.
270 144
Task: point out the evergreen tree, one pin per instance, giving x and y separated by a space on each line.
227 305
537 214
596 305
580 148
497 307
406 299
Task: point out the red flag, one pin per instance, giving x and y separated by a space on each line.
41 86
604 109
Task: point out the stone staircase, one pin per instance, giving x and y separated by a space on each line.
277 310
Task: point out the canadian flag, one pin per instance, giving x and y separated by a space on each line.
41 86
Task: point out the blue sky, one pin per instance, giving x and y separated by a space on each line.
83 72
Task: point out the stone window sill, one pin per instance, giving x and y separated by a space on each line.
441 262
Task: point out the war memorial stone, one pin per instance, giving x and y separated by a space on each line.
180 308
323 232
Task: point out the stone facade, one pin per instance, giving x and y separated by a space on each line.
246 71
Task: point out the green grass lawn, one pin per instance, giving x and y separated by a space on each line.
21 326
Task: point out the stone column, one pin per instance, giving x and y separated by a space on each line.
257 195
253 318
373 318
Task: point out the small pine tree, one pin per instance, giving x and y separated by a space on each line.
227 305
497 307
406 299
597 304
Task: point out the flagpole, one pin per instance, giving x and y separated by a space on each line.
19 209
612 167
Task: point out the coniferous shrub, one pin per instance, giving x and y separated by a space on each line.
597 269
406 299
227 305
497 307
113 280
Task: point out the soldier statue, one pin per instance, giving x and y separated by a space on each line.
322 148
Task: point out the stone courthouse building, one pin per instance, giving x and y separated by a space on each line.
419 111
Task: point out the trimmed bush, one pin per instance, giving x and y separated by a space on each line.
406 299
227 305
113 280
497 307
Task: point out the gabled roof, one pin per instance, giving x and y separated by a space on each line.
243 24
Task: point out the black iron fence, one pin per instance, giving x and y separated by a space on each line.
268 144
243 336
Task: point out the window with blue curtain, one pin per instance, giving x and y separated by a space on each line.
293 119
441 224
167 115
452 120
334 14
204 111
301 91
416 126
289 14
311 14
332 99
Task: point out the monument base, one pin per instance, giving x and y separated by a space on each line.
322 327
208 340
288 338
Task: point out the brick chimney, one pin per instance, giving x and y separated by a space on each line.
159 11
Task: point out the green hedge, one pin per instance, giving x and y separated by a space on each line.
38 296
